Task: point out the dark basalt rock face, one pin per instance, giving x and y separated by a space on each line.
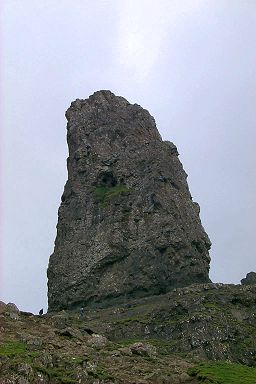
127 225
250 279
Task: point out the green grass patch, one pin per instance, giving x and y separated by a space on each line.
223 373
17 352
214 306
29 357
101 374
63 375
130 320
104 194
12 348
127 342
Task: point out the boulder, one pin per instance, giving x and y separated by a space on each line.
143 349
249 279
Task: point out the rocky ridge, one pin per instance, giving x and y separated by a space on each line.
152 340
127 225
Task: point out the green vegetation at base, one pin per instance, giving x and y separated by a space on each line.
12 348
223 373
164 347
101 374
104 194
17 352
127 342
129 320
61 374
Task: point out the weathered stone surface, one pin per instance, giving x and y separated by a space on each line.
10 310
11 307
97 341
249 279
195 324
143 349
204 321
127 225
2 307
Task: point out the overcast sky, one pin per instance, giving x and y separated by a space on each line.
191 63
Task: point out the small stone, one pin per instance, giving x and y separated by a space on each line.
184 378
35 341
96 340
125 351
143 349
71 332
14 316
90 366
22 380
24 369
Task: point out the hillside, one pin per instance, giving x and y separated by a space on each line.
161 339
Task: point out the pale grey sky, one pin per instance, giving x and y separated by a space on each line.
191 63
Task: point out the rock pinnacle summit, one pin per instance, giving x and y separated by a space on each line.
127 225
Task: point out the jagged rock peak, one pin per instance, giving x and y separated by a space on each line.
127 225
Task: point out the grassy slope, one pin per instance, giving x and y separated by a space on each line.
185 327
223 373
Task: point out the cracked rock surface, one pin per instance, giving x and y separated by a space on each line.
127 224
